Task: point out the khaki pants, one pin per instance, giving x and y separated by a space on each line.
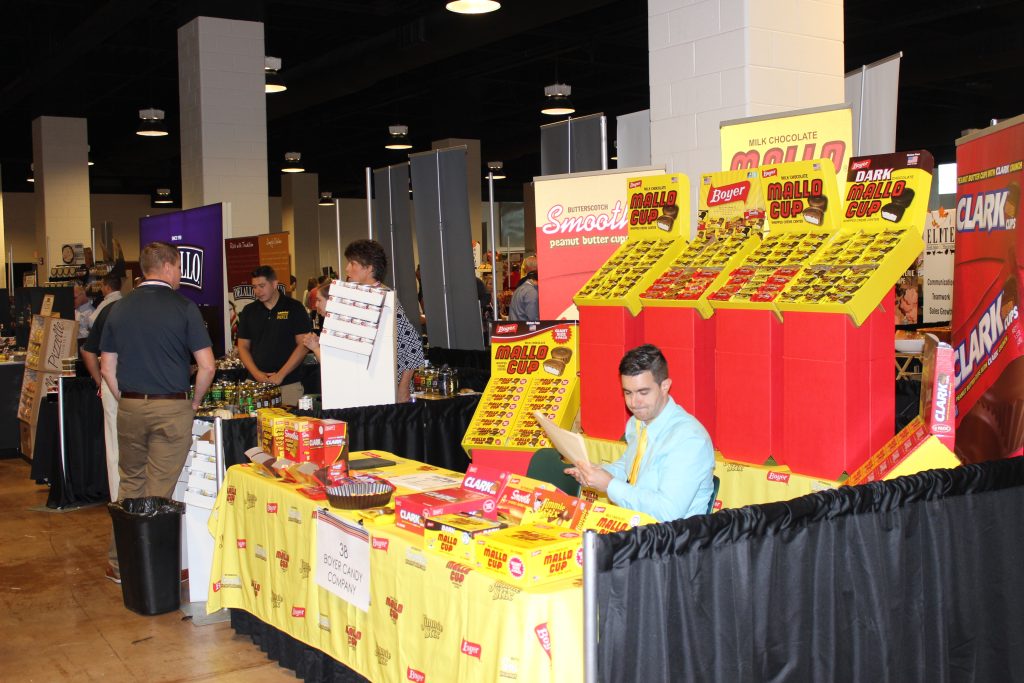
110 438
153 437
291 393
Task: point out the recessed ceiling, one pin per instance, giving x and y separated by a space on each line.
354 67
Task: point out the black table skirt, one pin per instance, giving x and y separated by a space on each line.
428 431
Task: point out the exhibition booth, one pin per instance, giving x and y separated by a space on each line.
354 537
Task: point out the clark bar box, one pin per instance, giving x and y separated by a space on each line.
530 555
413 509
455 535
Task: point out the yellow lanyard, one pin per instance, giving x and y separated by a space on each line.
641 445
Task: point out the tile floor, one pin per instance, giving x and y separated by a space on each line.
61 620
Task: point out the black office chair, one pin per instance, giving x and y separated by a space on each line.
546 465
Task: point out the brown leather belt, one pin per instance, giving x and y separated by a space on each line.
152 397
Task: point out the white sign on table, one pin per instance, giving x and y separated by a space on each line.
343 559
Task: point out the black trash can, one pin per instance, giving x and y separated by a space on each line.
147 532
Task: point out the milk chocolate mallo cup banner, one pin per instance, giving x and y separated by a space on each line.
988 274
581 219
822 133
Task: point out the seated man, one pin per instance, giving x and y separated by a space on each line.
667 468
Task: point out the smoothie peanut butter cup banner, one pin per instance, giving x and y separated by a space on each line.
988 336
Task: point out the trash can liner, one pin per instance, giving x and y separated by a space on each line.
147 532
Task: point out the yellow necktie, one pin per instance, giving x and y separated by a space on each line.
641 444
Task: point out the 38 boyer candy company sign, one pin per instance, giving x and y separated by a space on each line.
988 275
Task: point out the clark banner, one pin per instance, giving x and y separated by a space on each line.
824 133
988 272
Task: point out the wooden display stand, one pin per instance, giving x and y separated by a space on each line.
748 385
688 342
50 340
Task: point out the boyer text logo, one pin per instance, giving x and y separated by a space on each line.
781 477
412 674
471 649
379 543
727 194
544 637
191 266
506 329
299 612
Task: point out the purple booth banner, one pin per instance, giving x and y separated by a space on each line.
199 236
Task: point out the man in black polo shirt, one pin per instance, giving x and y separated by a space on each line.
270 336
148 343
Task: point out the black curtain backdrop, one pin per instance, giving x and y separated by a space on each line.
84 477
428 431
915 579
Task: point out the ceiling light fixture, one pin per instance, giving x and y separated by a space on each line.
152 125
31 173
472 6
292 163
271 67
398 137
88 152
494 169
325 199
163 196
556 100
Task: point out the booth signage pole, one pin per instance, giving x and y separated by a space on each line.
590 607
337 232
369 206
494 262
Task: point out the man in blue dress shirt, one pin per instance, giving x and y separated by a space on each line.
667 468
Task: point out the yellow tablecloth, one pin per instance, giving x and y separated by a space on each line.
429 616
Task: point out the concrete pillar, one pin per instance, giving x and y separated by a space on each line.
60 156
474 180
717 60
224 119
299 196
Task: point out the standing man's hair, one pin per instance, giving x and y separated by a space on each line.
113 282
156 254
265 271
643 358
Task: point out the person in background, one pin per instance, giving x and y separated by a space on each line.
525 304
83 312
110 286
270 335
312 339
91 358
668 465
310 300
366 264
290 288
148 342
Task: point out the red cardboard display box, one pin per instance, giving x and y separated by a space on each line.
411 510
606 333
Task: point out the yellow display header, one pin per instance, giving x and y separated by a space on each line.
801 195
658 207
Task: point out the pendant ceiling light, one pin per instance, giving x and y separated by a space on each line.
472 6
494 170
398 137
271 67
31 173
292 163
556 100
325 199
153 125
163 196
88 151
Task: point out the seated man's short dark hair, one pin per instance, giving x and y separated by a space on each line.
369 253
265 271
113 281
642 359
